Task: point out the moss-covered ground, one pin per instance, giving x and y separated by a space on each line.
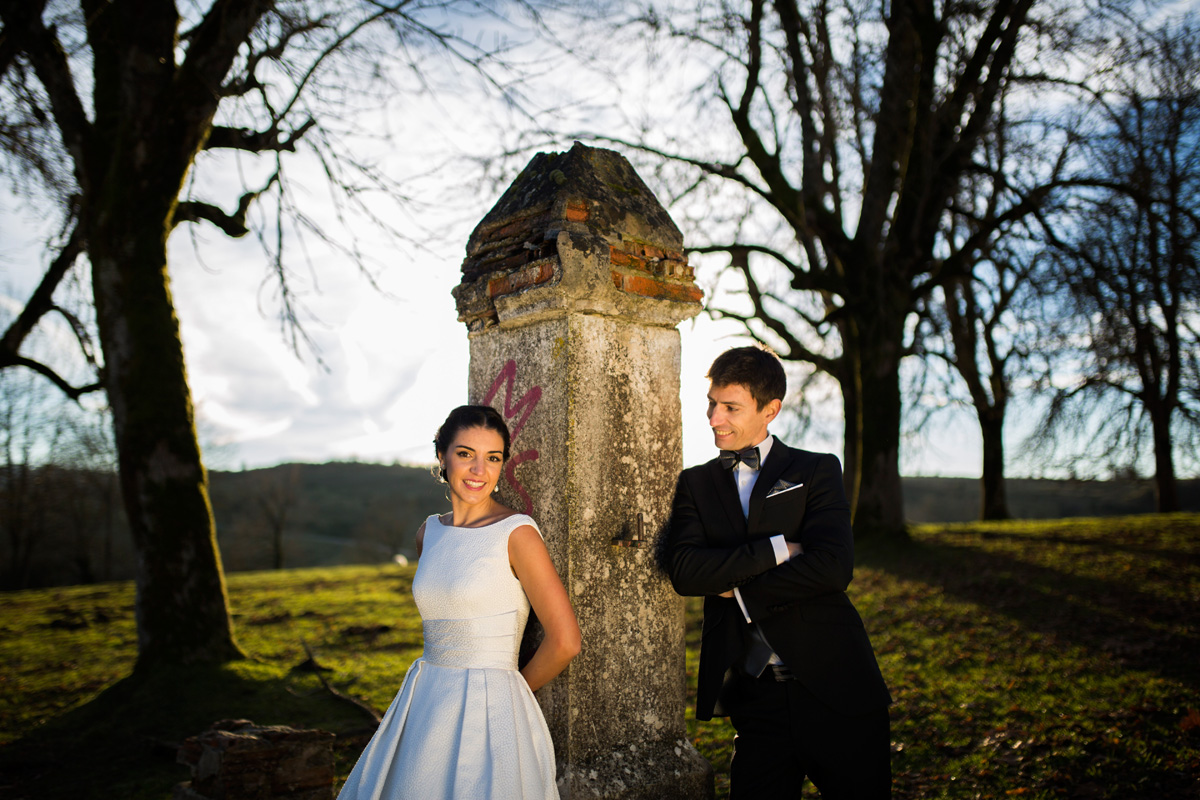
1053 659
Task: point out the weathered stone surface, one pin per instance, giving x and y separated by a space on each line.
576 232
587 375
238 760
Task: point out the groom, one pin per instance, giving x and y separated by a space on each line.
763 534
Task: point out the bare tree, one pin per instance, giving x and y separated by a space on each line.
106 107
1129 249
56 486
24 429
989 324
277 495
856 125
988 328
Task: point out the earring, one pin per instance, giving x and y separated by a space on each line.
496 488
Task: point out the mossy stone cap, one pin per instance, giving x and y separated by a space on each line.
585 189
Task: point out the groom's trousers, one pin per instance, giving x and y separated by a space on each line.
785 734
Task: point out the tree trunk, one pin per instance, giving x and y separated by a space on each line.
993 492
151 118
20 512
182 606
106 492
879 506
1166 490
847 378
277 548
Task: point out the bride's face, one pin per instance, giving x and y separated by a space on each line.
473 462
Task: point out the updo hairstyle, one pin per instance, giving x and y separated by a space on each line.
464 418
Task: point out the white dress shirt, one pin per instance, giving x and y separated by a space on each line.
745 479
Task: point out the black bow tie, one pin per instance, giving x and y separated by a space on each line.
749 457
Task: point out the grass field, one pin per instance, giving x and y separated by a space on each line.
1036 660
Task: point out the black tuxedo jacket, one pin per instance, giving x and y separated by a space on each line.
801 605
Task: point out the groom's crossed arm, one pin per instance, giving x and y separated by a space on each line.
827 564
695 565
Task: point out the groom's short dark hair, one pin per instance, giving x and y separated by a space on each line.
757 368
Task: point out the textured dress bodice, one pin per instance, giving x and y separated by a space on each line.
473 609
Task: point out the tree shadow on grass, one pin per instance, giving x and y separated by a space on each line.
122 744
1017 651
1143 615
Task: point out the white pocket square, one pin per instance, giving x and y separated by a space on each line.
782 486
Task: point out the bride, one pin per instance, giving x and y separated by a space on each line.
465 723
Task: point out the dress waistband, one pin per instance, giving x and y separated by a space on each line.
476 643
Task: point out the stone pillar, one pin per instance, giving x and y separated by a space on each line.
572 287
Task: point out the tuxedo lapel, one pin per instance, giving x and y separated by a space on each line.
725 491
778 460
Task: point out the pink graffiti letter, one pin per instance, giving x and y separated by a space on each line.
528 402
524 407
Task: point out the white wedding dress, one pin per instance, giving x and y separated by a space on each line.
465 724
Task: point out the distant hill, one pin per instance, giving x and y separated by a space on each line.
352 512
349 512
336 513
958 499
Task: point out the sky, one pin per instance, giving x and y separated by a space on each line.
388 360
389 357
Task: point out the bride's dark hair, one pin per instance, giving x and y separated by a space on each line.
464 417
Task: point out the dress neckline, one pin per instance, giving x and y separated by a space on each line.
477 527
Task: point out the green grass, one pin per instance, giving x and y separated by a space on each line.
1052 659
1037 660
72 725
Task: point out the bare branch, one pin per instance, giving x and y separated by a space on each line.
73 392
42 299
214 45
256 141
248 81
82 336
196 211
232 224
51 65
715 168
19 17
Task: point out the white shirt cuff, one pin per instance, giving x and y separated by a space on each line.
737 594
779 545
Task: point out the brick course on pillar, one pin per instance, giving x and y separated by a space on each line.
572 287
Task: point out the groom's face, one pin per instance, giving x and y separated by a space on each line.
735 418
